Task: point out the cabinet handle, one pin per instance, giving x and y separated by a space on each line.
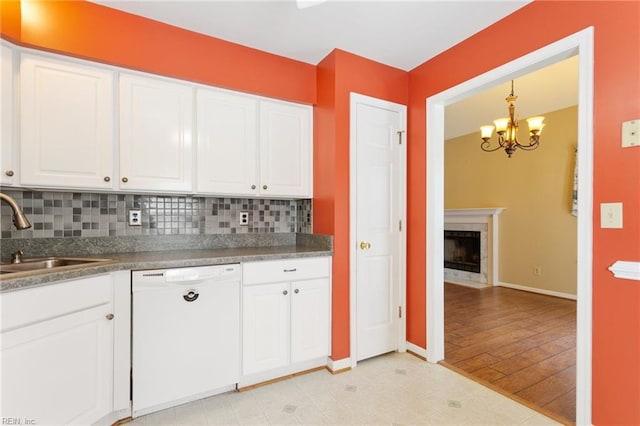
264 186
125 180
285 292
9 173
253 187
289 270
109 317
107 179
296 291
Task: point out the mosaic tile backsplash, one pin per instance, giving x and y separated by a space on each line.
73 214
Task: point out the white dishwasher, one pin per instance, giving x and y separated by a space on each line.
185 335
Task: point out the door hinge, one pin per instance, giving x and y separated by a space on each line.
399 311
400 225
400 132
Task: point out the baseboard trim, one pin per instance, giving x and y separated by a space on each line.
417 351
338 366
538 290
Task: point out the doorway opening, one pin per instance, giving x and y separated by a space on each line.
578 44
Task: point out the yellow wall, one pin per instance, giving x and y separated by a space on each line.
537 228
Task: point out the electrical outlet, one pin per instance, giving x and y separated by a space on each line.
135 217
537 271
243 218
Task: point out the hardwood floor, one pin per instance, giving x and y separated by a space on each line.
521 343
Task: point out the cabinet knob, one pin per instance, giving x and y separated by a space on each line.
285 292
253 187
365 245
107 179
296 291
109 317
264 186
9 173
125 180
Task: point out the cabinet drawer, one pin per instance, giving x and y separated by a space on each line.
23 307
285 270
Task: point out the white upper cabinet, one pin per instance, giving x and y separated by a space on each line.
249 146
227 143
156 126
7 141
285 149
75 134
66 124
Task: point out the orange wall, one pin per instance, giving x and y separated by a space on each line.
616 302
90 31
339 74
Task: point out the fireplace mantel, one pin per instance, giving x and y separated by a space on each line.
474 217
491 211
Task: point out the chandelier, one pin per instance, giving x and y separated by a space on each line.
507 130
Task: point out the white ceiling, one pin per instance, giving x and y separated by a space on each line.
402 34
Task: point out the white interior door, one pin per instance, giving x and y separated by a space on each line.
379 204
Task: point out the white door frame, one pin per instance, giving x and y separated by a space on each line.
580 43
356 98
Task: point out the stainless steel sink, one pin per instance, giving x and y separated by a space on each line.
48 264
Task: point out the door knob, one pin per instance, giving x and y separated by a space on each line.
365 245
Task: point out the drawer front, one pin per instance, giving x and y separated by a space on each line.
285 270
23 307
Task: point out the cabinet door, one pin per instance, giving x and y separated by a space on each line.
59 371
310 319
265 327
227 139
285 149
66 124
7 168
156 126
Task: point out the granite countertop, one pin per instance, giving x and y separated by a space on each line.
136 260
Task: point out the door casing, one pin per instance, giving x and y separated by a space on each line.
580 43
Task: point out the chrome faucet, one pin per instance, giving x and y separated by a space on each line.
19 219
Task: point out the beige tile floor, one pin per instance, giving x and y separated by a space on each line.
394 389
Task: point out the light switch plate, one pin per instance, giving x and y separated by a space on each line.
611 215
631 133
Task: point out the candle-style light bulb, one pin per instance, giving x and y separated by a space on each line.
501 124
486 132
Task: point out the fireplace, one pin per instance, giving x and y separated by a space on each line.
471 246
462 250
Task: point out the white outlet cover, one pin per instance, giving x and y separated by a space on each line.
631 133
135 217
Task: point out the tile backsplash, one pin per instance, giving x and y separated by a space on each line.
75 214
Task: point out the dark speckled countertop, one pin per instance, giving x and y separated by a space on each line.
297 247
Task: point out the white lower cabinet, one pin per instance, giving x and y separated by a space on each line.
286 317
57 353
